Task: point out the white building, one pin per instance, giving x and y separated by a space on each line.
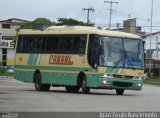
155 46
7 40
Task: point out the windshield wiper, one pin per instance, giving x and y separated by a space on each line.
118 62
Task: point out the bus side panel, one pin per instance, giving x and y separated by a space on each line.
92 80
59 78
60 72
25 76
22 70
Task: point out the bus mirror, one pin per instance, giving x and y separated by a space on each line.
95 65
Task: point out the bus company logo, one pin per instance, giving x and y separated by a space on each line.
60 59
20 58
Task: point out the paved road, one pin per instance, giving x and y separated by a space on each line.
21 97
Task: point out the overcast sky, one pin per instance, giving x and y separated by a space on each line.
54 9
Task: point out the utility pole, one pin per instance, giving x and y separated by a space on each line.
88 11
151 38
157 49
110 16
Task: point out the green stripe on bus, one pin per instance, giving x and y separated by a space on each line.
35 59
32 60
54 68
29 60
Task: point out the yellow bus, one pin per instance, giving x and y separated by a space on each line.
79 58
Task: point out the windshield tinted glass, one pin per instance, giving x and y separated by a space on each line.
133 53
115 52
112 51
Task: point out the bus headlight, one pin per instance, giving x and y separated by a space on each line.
106 83
139 84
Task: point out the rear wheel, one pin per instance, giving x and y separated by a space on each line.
38 83
85 89
72 89
120 91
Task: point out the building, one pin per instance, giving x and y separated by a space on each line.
7 39
154 48
129 26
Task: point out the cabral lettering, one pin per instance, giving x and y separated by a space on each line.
60 59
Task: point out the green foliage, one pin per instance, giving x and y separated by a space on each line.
69 22
28 25
152 80
37 24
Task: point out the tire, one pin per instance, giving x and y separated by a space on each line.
72 89
85 89
120 91
38 85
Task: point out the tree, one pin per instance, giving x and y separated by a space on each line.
41 22
38 23
28 25
70 22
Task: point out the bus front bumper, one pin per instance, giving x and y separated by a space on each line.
118 83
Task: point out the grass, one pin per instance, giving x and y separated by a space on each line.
153 80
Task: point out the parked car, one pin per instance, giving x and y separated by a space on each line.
10 69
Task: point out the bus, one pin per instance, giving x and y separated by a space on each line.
79 58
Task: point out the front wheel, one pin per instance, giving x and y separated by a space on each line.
85 89
120 91
38 83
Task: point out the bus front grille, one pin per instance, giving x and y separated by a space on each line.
122 84
124 77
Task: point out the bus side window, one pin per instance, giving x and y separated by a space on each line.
68 44
32 44
20 45
63 44
49 44
94 50
82 45
40 44
79 44
52 44
60 45
76 45
25 45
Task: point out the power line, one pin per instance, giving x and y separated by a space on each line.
88 11
110 17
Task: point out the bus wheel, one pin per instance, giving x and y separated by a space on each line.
38 85
119 91
85 89
72 89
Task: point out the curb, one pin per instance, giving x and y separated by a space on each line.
2 77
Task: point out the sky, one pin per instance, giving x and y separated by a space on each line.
54 9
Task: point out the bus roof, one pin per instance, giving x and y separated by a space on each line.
76 30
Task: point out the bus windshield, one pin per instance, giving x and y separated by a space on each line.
118 52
